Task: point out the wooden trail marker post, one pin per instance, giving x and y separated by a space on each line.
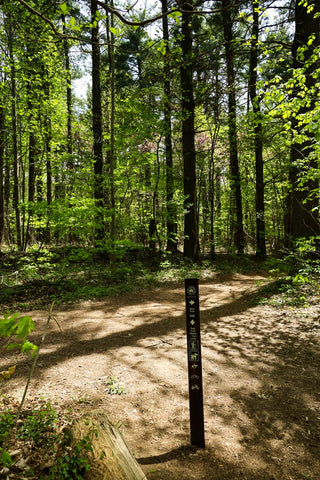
194 362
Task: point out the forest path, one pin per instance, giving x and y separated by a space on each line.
260 373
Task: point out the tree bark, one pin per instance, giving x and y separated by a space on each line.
109 456
97 125
258 144
236 200
69 100
172 224
111 150
302 218
14 137
2 140
191 228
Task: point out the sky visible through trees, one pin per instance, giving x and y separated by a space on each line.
201 139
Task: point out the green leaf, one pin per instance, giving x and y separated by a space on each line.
64 8
176 16
28 347
24 327
5 458
7 326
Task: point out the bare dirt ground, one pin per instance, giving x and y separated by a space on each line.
261 378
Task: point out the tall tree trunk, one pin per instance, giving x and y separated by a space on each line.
191 228
66 51
2 140
302 218
97 125
14 137
212 193
7 175
28 237
172 226
258 145
236 201
111 151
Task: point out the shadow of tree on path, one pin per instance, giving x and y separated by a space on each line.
261 375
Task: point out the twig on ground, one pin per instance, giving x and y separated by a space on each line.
158 343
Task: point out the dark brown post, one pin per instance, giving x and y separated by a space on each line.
194 362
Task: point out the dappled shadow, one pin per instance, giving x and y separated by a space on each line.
261 377
83 333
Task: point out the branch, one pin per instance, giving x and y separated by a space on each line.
125 20
57 32
40 15
159 16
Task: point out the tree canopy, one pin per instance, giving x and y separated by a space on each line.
199 131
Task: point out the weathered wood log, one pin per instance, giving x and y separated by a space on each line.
110 458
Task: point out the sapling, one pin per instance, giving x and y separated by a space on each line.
13 325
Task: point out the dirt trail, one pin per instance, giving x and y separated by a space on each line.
260 372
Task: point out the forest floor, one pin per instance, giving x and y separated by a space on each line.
126 355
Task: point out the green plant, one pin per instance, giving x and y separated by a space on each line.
18 327
113 387
40 427
36 425
13 326
6 422
72 465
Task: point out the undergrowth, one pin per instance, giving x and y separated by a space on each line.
295 277
66 275
39 277
38 447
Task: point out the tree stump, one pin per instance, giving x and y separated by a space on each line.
110 458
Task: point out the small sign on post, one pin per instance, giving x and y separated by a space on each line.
194 362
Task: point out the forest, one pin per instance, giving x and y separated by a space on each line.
198 131
143 144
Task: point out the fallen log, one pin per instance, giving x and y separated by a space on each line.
110 458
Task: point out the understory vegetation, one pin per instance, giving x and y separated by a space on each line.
44 435
69 274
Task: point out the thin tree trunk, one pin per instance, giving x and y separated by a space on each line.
258 145
28 238
172 224
69 102
111 150
14 138
97 125
236 201
2 140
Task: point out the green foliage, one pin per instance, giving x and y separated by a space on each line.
81 272
296 275
71 466
113 387
6 423
13 325
36 424
20 328
40 426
